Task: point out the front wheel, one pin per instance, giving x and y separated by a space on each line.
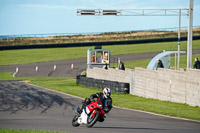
75 121
91 120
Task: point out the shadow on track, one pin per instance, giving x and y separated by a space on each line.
16 96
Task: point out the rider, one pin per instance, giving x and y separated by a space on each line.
104 97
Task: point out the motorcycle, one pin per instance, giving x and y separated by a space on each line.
90 114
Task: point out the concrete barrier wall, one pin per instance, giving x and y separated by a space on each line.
110 74
169 85
163 84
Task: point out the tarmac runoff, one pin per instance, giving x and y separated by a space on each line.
66 68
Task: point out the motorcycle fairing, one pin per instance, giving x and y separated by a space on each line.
83 118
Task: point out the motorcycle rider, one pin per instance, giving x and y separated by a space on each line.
104 97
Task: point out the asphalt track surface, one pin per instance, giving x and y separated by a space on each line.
63 67
24 106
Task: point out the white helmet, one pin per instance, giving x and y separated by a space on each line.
106 92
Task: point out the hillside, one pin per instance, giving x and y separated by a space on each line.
103 37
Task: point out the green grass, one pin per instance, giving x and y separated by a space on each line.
6 76
137 63
27 131
156 106
24 56
144 63
150 47
183 60
68 85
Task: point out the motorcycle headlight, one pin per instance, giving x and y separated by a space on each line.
99 105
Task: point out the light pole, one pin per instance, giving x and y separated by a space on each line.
189 41
179 38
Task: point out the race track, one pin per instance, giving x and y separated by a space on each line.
24 106
63 67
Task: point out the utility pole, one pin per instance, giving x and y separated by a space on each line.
179 39
189 39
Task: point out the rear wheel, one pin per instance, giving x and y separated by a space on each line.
91 120
75 121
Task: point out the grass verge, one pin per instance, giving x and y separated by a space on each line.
27 131
144 63
10 57
68 85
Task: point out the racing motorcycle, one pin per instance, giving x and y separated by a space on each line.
89 115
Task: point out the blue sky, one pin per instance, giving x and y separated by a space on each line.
59 16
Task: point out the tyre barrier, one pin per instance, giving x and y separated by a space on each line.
118 87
